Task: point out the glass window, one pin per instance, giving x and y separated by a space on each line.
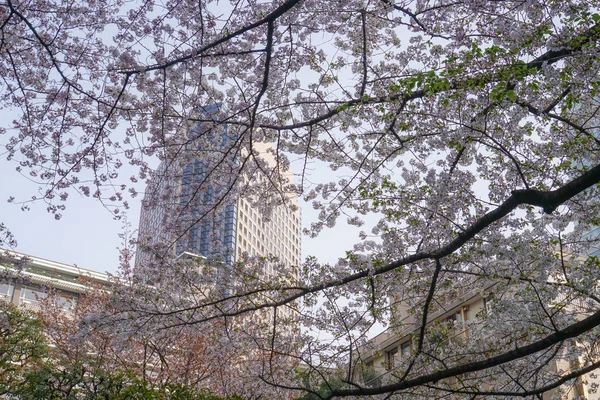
455 317
487 302
64 302
405 349
391 358
31 296
6 291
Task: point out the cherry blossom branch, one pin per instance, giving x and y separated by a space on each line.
363 85
547 200
548 58
53 60
525 393
567 121
268 19
571 331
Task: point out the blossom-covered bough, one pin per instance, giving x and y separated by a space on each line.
468 129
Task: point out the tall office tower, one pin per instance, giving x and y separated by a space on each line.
189 208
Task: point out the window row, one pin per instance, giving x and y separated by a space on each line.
31 296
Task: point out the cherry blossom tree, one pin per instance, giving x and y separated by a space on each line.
22 346
468 129
37 361
176 356
48 354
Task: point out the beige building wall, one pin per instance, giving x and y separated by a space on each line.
396 346
377 368
277 234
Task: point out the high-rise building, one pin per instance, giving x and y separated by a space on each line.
188 205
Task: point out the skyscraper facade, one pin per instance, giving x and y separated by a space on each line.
278 235
188 207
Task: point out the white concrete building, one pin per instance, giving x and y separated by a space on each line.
24 280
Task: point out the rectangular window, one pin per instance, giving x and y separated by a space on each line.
455 317
6 291
30 296
66 303
391 358
487 303
405 350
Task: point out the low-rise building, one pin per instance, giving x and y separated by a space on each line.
384 360
25 280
